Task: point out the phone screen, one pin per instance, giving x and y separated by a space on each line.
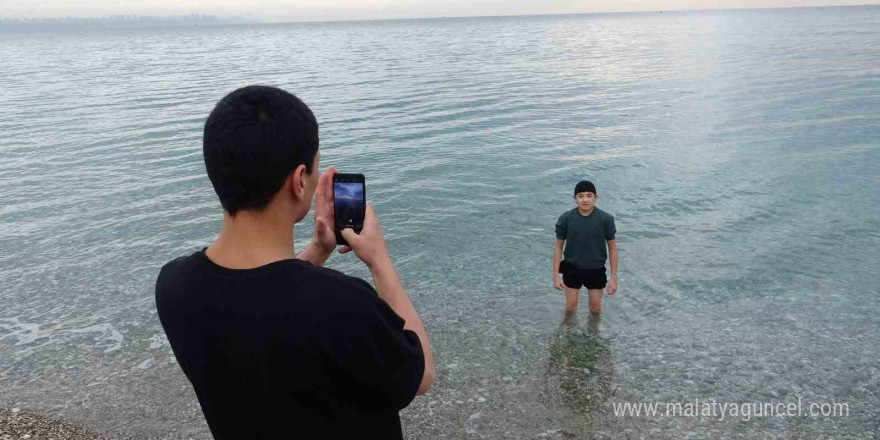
348 199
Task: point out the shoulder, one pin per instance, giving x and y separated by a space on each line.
337 293
567 214
174 269
336 297
175 264
604 215
173 284
336 282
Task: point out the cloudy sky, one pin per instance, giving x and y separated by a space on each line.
296 10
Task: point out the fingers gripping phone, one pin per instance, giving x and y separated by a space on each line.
349 204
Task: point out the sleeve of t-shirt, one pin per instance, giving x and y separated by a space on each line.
610 229
371 346
562 227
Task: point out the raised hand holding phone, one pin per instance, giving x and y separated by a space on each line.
369 245
324 234
349 203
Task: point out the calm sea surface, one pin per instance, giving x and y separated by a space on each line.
738 150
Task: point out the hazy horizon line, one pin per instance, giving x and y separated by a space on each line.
239 20
550 14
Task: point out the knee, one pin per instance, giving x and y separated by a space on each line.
571 300
595 307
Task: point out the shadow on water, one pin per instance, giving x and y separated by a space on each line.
580 371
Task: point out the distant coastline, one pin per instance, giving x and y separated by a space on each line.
115 22
140 21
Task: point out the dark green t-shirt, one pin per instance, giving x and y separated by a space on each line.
585 237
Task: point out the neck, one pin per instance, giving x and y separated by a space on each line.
251 240
586 212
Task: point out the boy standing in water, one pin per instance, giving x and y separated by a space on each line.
585 231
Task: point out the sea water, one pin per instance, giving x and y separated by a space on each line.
737 150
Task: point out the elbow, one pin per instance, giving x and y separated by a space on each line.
427 379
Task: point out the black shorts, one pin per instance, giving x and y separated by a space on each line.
575 277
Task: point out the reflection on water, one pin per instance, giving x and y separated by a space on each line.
580 371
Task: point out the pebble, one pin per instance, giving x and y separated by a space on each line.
17 424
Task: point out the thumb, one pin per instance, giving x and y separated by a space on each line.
350 236
321 223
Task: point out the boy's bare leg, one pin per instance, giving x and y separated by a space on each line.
593 323
595 300
571 299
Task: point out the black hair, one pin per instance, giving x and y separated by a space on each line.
584 186
254 138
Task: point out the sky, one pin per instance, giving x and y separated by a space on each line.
320 10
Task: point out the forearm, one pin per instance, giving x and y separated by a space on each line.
390 289
314 254
613 259
557 258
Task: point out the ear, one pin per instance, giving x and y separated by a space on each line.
298 182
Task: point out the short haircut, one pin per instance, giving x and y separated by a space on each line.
254 138
584 186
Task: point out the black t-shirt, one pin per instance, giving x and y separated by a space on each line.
288 350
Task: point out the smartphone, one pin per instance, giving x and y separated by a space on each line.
349 204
